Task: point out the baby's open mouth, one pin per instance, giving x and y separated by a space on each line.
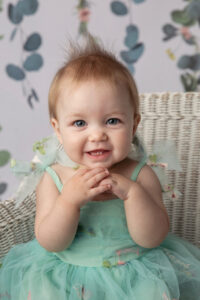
98 154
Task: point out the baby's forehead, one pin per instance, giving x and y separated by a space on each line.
94 96
69 85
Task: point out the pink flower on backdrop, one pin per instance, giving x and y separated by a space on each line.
185 32
84 14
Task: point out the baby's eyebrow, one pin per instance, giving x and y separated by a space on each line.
116 113
81 115
75 115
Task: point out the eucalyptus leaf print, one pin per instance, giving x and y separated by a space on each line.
15 72
135 48
1 9
170 31
182 17
191 62
184 21
13 33
29 7
14 13
132 36
33 42
29 60
138 1
119 8
132 55
4 157
3 187
33 62
189 82
1 5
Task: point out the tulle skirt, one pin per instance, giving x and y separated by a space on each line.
168 272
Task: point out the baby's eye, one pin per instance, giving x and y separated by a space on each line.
79 123
113 121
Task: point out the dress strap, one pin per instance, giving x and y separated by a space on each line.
55 178
137 170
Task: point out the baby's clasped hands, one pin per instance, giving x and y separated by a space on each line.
119 185
84 185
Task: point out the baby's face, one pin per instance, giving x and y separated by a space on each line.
95 123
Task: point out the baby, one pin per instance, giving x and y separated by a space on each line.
94 109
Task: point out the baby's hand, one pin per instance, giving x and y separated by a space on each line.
119 185
84 185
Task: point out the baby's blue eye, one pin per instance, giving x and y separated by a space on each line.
79 123
113 121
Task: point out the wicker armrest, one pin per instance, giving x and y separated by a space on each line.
17 224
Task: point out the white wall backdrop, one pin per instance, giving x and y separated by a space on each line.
55 22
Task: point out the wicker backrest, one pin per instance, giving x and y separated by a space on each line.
176 116
173 116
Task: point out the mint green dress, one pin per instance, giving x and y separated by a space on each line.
102 263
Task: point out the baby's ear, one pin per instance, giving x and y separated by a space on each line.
56 128
137 119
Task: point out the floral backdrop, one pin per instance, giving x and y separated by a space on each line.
158 41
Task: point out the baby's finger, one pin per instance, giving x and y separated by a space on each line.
81 171
92 172
93 181
99 189
106 181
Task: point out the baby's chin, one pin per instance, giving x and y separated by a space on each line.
97 165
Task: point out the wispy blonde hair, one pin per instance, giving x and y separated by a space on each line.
92 62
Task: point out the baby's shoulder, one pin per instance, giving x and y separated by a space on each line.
64 172
145 173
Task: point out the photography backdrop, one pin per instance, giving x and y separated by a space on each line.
157 40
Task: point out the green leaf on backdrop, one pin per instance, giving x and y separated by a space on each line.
182 17
33 42
23 7
15 72
189 62
189 82
132 36
3 187
28 7
191 41
170 31
14 13
13 34
131 56
193 9
138 1
4 157
33 62
119 8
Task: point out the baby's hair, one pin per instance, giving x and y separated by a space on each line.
92 62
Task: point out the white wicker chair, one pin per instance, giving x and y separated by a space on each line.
173 116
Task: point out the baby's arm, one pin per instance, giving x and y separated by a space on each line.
57 214
147 218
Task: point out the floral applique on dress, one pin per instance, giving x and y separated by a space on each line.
163 158
82 293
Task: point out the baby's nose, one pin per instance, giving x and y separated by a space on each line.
97 135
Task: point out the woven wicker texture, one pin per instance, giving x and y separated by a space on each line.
173 116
